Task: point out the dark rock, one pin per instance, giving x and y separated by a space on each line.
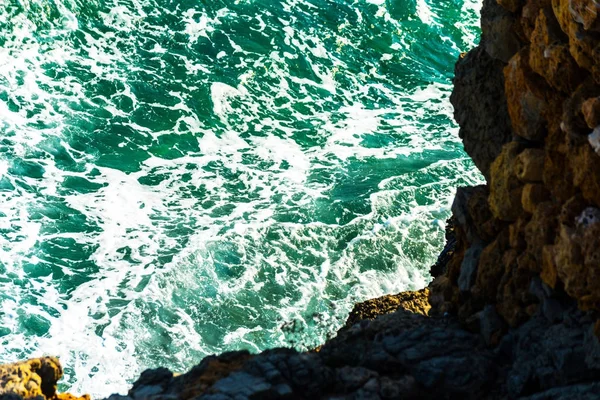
499 31
468 269
479 91
584 391
492 327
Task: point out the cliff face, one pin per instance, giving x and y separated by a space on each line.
527 100
513 311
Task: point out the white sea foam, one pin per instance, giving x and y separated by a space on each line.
231 245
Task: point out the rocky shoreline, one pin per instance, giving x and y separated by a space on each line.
514 307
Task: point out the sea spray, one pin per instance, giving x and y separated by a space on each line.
180 178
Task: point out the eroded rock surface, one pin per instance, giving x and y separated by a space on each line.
33 379
406 355
416 302
543 193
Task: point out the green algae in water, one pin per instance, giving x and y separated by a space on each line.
180 178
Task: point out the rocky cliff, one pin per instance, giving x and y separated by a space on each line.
514 307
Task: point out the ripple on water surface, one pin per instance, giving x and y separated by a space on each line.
180 177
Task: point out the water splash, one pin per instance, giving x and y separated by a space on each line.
179 179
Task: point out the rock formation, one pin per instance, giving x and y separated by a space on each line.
33 379
514 307
541 218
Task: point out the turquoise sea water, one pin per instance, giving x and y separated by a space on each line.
185 177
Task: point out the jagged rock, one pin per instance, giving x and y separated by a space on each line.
541 230
586 167
440 266
530 13
402 355
552 164
517 233
417 302
571 211
505 188
443 359
33 379
577 261
594 140
558 175
580 43
584 391
529 165
573 119
585 12
473 215
549 54
591 112
492 327
498 31
533 194
488 274
468 267
527 97
549 355
483 137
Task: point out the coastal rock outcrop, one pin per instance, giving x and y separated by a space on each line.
33 379
416 302
544 182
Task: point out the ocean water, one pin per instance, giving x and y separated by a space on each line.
185 177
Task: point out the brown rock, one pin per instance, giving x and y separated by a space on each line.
549 54
549 272
581 43
533 194
586 167
491 269
569 262
527 97
591 112
530 13
444 295
591 256
585 12
529 165
558 175
527 261
33 378
571 210
512 299
473 216
574 123
517 233
505 188
541 230
416 302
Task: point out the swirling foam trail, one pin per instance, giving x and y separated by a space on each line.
179 179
